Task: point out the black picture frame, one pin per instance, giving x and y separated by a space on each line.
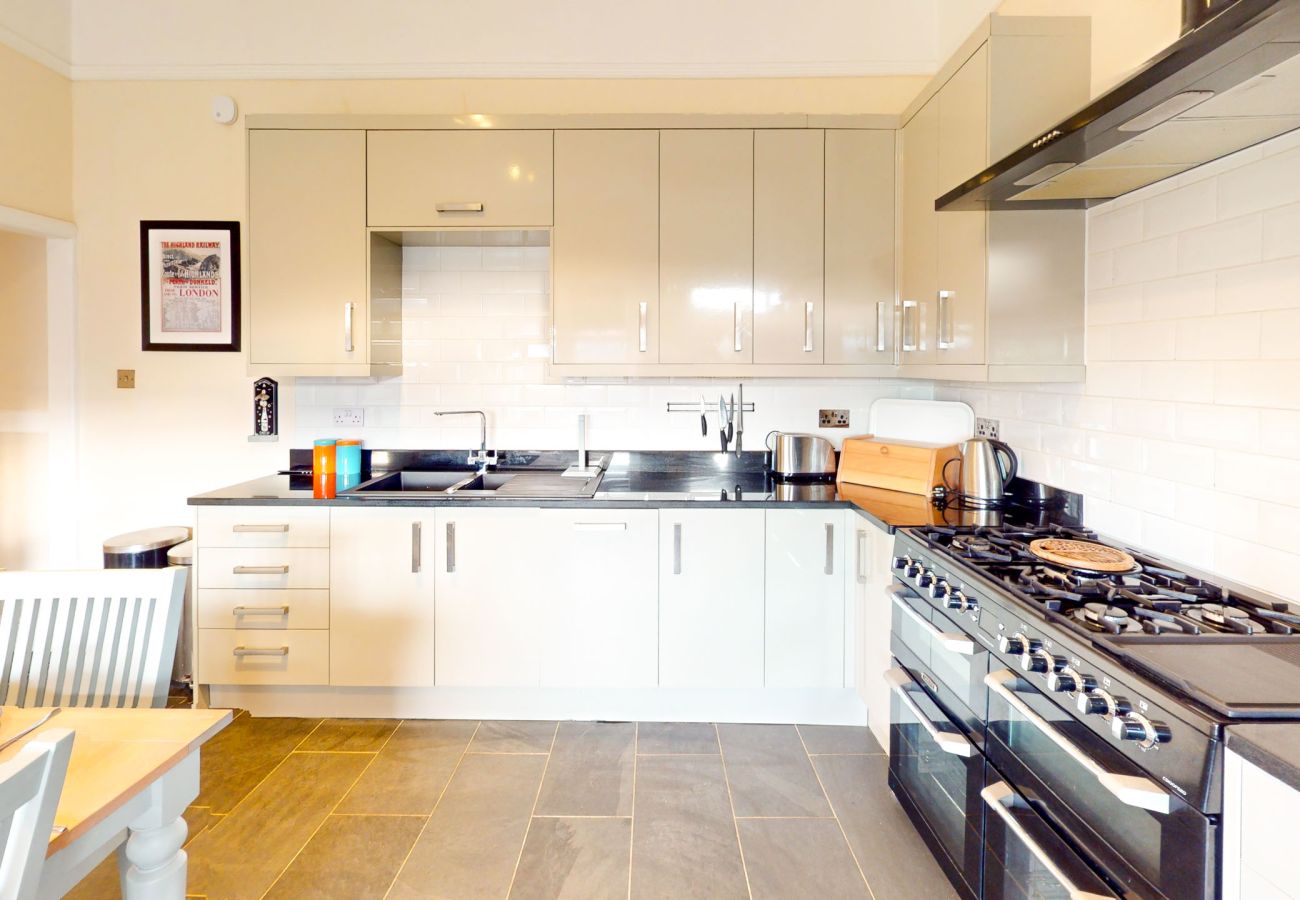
227 231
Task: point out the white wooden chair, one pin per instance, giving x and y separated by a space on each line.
103 637
30 785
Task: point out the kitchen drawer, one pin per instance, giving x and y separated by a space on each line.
459 178
253 656
264 609
263 526
263 568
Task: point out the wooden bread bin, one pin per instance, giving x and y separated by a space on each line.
913 468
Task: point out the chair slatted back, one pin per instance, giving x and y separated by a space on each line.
30 785
104 637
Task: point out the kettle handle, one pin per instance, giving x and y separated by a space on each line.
767 441
1012 464
943 473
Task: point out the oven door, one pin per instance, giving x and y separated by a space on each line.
1142 836
953 664
936 773
1024 858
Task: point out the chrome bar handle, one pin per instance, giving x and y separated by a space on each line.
808 327
458 207
949 741
260 610
677 548
1000 798
347 327
880 326
945 338
829 567
259 529
735 325
260 570
643 311
416 541
1133 790
451 546
261 651
954 641
910 313
862 557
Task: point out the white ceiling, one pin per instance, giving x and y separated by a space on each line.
488 38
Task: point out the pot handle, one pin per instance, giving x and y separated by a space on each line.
1012 464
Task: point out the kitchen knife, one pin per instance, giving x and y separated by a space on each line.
722 423
740 418
704 421
731 419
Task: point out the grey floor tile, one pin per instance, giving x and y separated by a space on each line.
244 853
684 837
839 739
473 839
769 772
799 858
590 773
358 735
410 773
350 856
578 859
242 754
513 737
676 737
892 855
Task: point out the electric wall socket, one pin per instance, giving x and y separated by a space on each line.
126 378
986 428
350 416
833 418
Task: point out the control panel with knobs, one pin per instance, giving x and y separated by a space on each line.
1140 729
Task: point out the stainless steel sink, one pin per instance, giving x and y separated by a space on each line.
466 484
408 482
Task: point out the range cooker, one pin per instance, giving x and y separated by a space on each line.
1056 730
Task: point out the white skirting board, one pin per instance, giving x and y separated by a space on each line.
840 706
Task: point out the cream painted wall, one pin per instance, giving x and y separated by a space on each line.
23 381
36 137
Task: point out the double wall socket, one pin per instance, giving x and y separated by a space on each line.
832 418
986 428
354 415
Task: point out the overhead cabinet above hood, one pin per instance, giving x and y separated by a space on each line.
1231 81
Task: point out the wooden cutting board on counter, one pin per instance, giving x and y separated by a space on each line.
913 468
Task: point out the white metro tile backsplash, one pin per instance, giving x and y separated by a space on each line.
1186 437
476 326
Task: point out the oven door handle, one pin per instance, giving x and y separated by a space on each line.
1000 798
949 741
957 643
1133 790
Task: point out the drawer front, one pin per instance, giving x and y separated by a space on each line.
251 656
265 609
263 526
262 568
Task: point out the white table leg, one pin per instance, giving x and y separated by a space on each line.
156 864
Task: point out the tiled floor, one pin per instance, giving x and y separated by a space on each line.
349 808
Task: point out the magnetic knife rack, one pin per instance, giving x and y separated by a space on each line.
710 407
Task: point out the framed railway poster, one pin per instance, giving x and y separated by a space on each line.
189 285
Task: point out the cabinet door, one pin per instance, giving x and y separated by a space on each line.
859 247
307 247
606 247
600 622
706 246
789 186
489 596
711 598
382 603
920 153
473 179
963 122
872 574
804 613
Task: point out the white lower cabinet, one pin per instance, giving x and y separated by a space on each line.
872 613
804 587
382 622
1259 816
600 602
490 591
711 598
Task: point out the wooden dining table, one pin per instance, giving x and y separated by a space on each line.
132 774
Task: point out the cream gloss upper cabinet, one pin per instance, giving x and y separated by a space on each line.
859 276
606 247
478 179
789 252
1006 298
308 292
706 246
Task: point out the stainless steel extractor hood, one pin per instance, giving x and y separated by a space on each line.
1232 80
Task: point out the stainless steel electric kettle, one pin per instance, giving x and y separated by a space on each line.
982 478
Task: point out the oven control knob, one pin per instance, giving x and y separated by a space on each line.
1140 729
939 589
957 599
902 562
925 579
1041 661
1063 682
1017 644
912 569
1093 704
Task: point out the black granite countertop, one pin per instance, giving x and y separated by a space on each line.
1273 746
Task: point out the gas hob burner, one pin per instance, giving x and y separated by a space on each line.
1225 618
1102 617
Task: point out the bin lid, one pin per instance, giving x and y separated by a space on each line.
147 539
181 554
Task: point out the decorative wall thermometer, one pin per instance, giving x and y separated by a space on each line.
266 411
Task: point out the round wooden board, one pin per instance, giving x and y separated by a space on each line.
1083 555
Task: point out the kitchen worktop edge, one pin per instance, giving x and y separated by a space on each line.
1272 746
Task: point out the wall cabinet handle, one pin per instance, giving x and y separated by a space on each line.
259 529
807 326
829 568
677 548
261 651
945 338
862 557
458 207
260 570
880 326
416 541
735 326
643 309
911 326
451 546
347 327
260 610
